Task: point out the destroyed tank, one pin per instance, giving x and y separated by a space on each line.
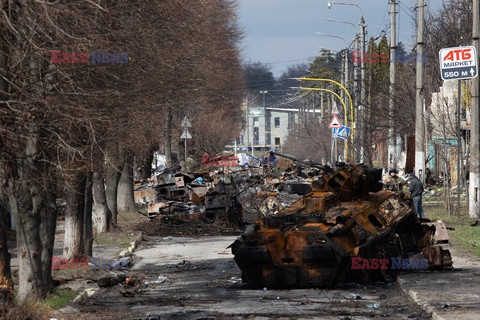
346 215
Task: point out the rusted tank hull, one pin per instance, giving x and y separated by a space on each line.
301 264
313 242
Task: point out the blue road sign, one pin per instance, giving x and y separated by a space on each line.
343 132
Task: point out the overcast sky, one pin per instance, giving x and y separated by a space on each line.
282 32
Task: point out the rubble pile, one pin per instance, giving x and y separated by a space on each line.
207 196
227 196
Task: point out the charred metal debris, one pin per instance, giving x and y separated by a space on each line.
306 225
342 225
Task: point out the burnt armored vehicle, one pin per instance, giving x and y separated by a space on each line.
340 231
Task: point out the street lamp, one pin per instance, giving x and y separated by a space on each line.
345 22
332 36
362 48
330 5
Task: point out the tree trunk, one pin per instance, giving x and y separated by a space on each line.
25 183
48 226
168 136
101 213
125 201
26 205
6 285
87 217
111 189
74 212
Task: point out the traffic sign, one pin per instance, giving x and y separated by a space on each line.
343 132
335 123
458 63
334 108
186 134
186 122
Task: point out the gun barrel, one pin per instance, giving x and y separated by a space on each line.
313 165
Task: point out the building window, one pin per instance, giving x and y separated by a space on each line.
255 121
277 141
277 122
255 136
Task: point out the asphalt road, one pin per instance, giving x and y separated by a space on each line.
196 278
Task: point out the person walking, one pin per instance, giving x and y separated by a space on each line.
416 190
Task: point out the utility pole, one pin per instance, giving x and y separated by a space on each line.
419 115
248 127
355 101
346 76
473 202
459 145
346 79
343 95
361 108
369 111
392 136
342 74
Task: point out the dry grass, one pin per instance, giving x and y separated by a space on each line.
464 235
28 310
125 232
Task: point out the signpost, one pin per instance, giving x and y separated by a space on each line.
186 135
343 132
458 63
335 108
186 123
335 122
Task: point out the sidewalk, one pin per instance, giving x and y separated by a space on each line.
448 294
103 251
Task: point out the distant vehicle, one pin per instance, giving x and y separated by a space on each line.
247 160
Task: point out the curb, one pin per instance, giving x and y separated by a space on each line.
87 293
424 305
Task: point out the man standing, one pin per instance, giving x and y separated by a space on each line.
272 160
416 190
272 165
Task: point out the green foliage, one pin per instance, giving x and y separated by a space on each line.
381 71
326 66
258 76
59 298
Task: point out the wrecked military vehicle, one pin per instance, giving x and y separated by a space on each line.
339 232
